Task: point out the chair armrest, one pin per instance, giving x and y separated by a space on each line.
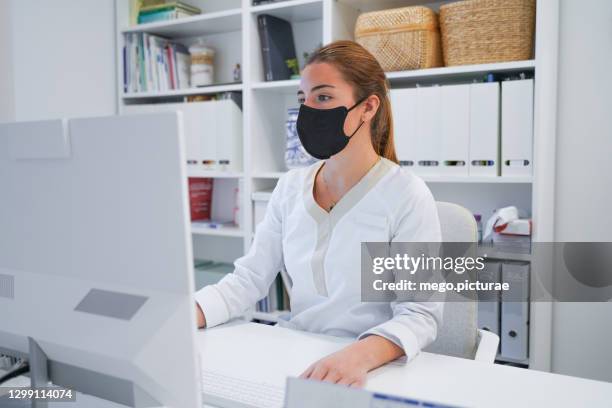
487 346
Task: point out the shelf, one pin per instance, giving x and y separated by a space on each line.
211 89
262 195
269 174
221 232
493 253
435 179
293 10
213 174
477 179
459 72
201 24
398 78
283 86
369 5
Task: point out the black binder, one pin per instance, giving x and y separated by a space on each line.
277 46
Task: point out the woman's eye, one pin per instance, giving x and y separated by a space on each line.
323 98
301 100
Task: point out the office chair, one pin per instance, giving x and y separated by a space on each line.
459 335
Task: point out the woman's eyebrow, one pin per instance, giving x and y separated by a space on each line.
314 88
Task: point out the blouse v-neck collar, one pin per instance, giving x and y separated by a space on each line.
350 198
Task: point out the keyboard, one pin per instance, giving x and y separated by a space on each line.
230 392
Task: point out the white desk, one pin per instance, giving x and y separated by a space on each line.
255 351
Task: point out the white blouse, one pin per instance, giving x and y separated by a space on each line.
320 252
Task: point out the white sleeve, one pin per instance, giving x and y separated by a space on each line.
414 325
253 273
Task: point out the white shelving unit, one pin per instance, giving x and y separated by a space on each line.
182 92
460 72
215 174
221 232
230 26
202 24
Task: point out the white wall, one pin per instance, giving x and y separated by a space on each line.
582 332
7 111
63 58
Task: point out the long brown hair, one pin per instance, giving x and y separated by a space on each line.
364 73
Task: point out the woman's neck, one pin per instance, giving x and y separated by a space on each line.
346 168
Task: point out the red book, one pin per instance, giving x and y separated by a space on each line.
200 198
171 69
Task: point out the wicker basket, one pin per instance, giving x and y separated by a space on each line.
485 31
402 38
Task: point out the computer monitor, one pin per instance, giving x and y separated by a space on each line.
96 269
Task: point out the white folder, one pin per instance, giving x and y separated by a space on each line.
484 129
515 311
517 127
200 129
454 117
403 107
228 118
212 131
428 131
489 301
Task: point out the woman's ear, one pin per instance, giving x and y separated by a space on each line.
371 104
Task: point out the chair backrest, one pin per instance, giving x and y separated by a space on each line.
458 335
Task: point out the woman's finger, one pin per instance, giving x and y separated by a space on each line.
345 381
319 372
357 383
332 376
308 371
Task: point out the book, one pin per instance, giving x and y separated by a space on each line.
277 46
172 5
183 66
200 197
164 11
134 10
149 79
171 67
153 63
279 293
141 59
162 15
125 75
157 45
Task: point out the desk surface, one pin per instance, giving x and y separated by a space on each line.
255 351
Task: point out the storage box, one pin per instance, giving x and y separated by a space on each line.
487 31
402 38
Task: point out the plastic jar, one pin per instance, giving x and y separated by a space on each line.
202 64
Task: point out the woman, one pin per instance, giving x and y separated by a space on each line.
318 216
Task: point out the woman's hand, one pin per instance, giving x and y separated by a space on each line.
343 367
350 365
200 318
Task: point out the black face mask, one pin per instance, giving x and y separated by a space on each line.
321 131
